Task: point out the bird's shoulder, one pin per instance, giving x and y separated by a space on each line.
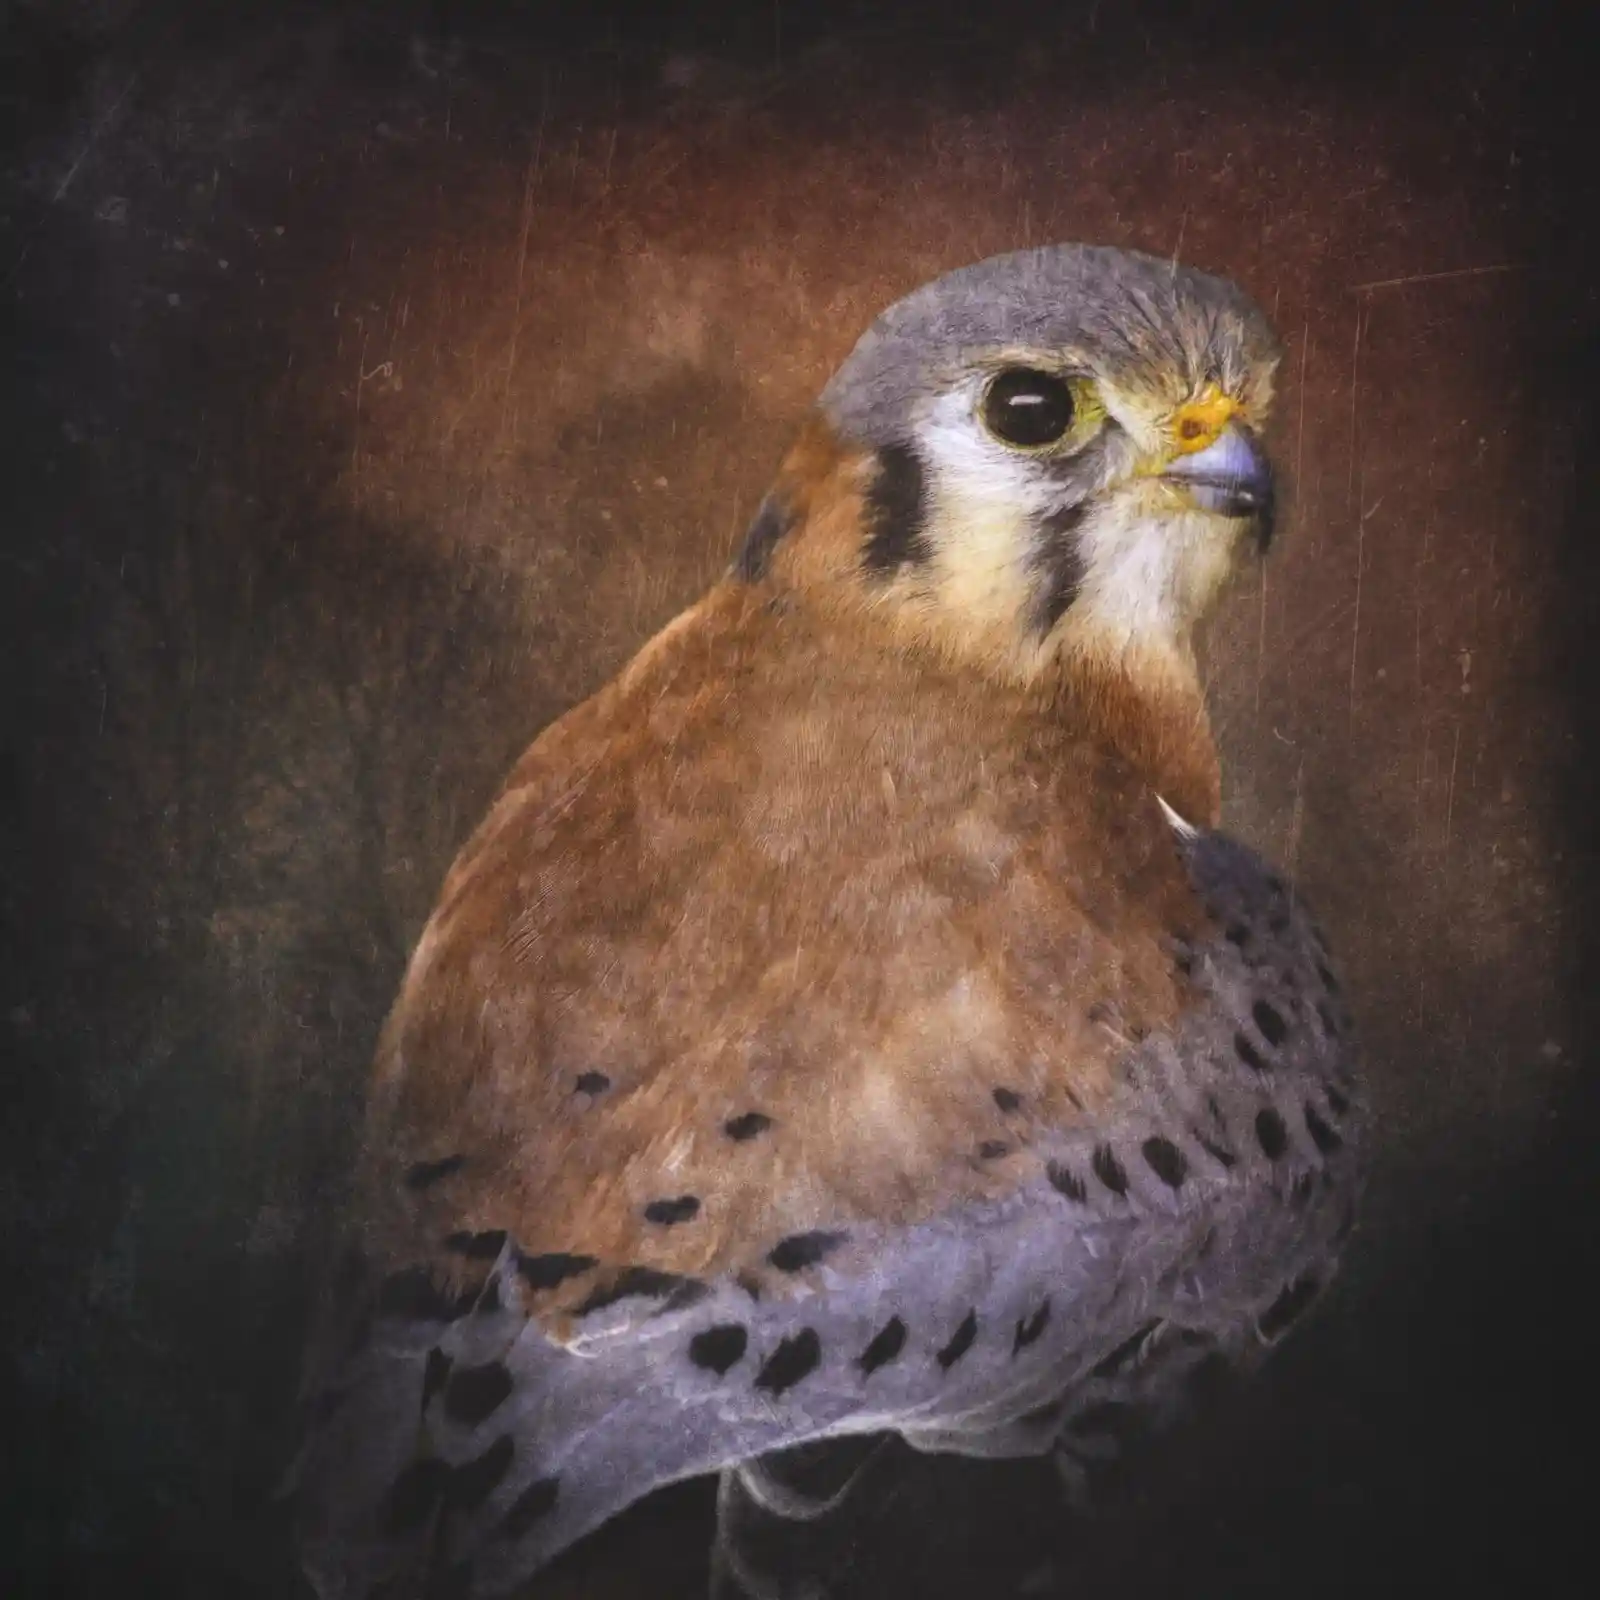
772 933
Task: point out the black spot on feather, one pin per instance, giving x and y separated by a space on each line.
1323 1135
1270 1021
1271 1133
886 1344
535 1503
1028 1331
717 1349
424 1174
1108 1169
549 1271
1065 1181
960 1341
1166 1160
794 1358
483 1246
801 1250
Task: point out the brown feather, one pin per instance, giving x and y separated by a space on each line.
795 861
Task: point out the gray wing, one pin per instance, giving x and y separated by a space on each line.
458 1449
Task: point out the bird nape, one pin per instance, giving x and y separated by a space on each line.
849 1021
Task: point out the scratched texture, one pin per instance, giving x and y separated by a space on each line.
382 378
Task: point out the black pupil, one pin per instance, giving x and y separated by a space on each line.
1028 408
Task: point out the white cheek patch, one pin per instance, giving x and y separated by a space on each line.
1149 572
966 461
984 503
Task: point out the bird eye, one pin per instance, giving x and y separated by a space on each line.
1027 409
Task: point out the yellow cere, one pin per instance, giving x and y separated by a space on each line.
1197 424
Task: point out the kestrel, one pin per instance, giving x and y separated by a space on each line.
850 1020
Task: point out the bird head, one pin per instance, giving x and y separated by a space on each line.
1055 454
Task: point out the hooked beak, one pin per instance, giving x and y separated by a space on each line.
1231 476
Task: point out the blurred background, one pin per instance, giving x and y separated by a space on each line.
380 376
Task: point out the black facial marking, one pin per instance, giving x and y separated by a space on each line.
790 1362
804 1249
644 1281
1029 1330
592 1083
1271 1134
1108 1169
475 1393
535 1502
477 1246
1248 1054
414 1495
1065 1181
547 1271
1329 981
1058 565
747 1126
424 1174
1300 1194
1123 1356
960 1341
1166 1160
1008 1100
886 1344
993 1149
474 1481
897 513
667 1213
717 1349
1270 1021
1219 1153
1288 1307
1323 1135
1340 1103
434 1372
1238 933
773 520
411 1292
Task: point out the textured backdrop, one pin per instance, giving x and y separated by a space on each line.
383 378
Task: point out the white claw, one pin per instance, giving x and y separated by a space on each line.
1184 830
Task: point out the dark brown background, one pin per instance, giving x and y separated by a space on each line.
382 376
